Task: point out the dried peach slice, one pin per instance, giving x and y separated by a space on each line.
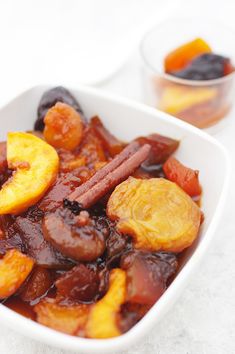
36 164
181 56
156 212
67 319
102 319
14 269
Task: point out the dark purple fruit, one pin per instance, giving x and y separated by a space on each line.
205 67
50 98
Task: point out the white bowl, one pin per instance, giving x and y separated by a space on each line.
127 120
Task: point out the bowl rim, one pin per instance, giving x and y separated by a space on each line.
175 79
55 338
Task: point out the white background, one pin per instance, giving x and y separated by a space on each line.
203 320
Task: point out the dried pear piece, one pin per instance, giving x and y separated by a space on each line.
102 319
14 269
36 164
157 213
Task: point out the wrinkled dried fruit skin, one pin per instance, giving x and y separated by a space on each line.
49 99
36 164
147 275
102 319
30 230
14 269
205 67
181 56
156 213
91 149
185 177
63 127
63 186
110 142
79 242
130 314
37 285
3 157
161 148
61 318
82 284
116 245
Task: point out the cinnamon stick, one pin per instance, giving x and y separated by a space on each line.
106 181
100 174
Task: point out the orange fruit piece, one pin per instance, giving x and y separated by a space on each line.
157 213
181 56
67 319
14 269
35 163
63 127
185 177
102 319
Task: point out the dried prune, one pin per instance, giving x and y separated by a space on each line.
30 230
110 142
116 245
37 285
64 185
3 157
130 314
50 98
85 283
205 67
161 148
77 236
147 275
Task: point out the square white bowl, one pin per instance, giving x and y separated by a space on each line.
127 120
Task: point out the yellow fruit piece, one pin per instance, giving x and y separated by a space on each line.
103 315
156 212
36 164
14 269
176 99
67 319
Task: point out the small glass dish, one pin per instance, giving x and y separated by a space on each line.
201 103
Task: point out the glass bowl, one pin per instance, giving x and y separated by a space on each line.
201 103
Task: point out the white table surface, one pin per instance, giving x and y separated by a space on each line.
203 320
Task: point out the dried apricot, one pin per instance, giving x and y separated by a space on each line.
181 56
67 319
36 164
63 126
157 213
102 319
14 269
